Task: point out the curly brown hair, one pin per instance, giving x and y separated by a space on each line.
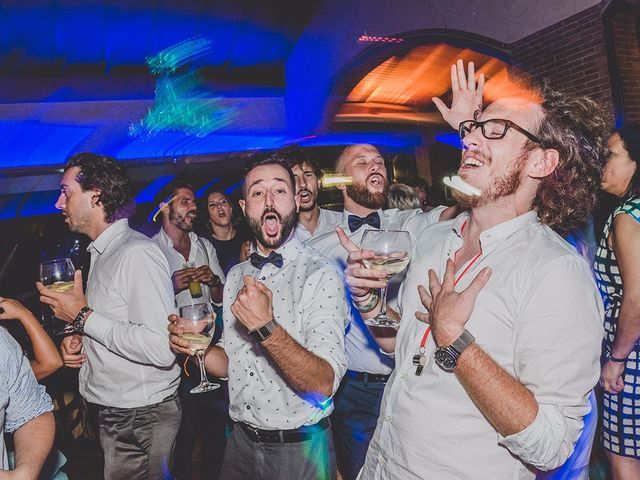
577 127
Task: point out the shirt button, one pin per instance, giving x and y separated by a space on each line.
251 374
248 407
263 278
388 418
381 460
403 375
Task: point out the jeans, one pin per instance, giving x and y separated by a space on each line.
138 442
354 419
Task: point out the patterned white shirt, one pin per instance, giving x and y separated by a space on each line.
363 353
539 317
327 220
129 362
201 253
309 302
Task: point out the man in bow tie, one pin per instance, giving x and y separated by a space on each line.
358 399
283 342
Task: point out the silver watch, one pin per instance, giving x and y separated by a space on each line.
447 357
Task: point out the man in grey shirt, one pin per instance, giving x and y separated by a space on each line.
126 366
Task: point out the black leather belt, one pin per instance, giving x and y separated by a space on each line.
367 377
284 436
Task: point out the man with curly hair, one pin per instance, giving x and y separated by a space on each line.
122 347
499 344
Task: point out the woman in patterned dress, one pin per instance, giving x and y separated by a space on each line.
617 264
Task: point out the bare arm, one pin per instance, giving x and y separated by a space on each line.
33 442
626 242
47 359
304 371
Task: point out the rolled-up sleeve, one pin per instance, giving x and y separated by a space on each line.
324 317
149 299
557 348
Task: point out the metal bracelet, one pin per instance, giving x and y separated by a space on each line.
373 303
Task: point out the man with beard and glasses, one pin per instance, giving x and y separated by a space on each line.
126 366
312 220
359 397
501 321
283 342
204 414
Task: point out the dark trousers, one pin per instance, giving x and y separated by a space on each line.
357 406
312 459
205 414
138 442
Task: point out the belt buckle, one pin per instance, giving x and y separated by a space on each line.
254 432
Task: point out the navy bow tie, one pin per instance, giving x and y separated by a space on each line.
355 222
259 261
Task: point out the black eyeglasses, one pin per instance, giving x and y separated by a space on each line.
494 129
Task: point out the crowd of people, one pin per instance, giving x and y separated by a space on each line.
504 333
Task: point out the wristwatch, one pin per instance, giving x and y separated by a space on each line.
611 358
447 357
260 334
78 322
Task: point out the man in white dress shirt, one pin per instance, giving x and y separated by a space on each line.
126 366
501 328
312 220
359 397
204 414
283 341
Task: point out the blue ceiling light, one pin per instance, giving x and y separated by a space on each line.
30 145
9 206
203 189
148 194
233 187
452 139
381 139
40 203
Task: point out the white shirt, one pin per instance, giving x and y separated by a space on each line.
327 220
129 362
539 317
197 254
309 302
363 353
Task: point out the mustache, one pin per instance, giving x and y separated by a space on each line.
371 175
272 211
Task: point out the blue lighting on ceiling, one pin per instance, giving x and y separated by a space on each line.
233 187
452 139
179 144
373 138
9 206
148 194
30 145
40 203
205 188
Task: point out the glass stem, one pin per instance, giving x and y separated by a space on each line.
203 373
383 296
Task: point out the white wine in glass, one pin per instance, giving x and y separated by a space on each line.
198 323
58 275
391 249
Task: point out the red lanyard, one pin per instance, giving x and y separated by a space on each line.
426 334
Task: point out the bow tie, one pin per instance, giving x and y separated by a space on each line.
355 222
259 261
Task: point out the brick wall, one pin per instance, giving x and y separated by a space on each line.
571 54
623 35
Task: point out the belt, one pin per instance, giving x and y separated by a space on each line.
367 377
284 436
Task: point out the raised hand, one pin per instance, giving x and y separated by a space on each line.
467 95
447 310
253 305
65 305
360 279
182 278
176 343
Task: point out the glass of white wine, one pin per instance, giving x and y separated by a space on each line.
58 275
391 249
198 323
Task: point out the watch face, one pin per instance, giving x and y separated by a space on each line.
445 360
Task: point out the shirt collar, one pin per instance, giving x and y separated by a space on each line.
346 213
114 230
502 230
166 239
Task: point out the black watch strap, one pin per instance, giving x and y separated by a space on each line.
611 358
78 322
260 334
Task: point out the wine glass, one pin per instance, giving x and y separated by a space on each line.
58 275
391 249
198 324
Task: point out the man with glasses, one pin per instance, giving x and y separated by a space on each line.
501 327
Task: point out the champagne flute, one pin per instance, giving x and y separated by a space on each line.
391 249
198 324
58 275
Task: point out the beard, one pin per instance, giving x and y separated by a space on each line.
312 205
287 224
502 186
180 221
359 193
